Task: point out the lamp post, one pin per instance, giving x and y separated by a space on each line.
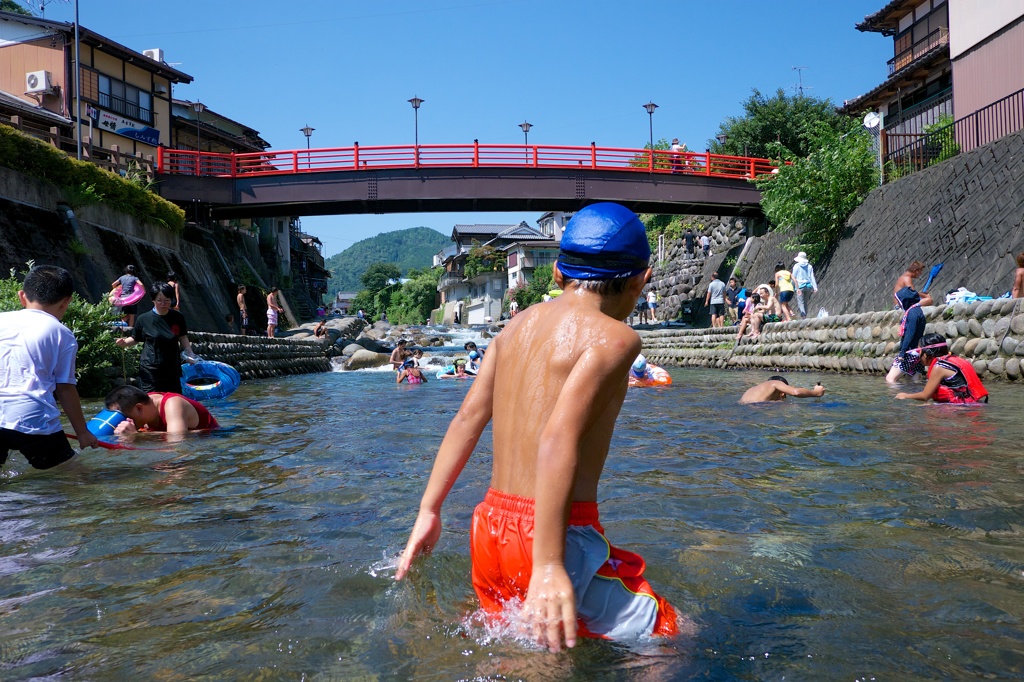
308 132
416 102
650 107
199 108
78 86
526 138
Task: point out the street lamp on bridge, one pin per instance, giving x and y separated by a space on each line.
199 108
650 107
308 132
526 138
416 102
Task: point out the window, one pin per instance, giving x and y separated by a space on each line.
513 259
125 99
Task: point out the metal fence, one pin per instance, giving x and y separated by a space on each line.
905 153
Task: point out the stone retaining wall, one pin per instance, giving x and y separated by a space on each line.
988 333
257 357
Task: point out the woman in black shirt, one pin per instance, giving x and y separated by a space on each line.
164 335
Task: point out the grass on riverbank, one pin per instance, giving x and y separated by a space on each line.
84 183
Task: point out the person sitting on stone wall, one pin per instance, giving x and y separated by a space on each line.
912 272
768 310
1018 278
750 306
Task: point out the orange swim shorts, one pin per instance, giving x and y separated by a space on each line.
613 601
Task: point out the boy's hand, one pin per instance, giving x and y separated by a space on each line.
902 396
424 537
818 390
87 440
127 427
123 341
549 611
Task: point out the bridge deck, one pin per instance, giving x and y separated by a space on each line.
400 179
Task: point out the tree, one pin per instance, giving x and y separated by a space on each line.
380 275
483 259
413 302
11 6
768 122
815 195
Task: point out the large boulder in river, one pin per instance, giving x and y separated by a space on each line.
365 359
372 345
352 349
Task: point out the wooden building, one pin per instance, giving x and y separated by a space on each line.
125 104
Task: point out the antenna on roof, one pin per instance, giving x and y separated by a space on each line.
44 3
799 87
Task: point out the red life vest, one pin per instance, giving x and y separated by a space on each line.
963 387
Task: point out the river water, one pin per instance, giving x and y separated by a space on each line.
845 538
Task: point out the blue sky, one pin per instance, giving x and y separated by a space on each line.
579 70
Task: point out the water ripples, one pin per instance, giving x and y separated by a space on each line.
837 538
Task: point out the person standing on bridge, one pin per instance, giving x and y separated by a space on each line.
677 155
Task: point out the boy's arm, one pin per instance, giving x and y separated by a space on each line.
598 378
67 396
459 441
815 392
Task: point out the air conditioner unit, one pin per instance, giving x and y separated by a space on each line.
156 54
160 89
38 83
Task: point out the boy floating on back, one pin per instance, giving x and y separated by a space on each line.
536 536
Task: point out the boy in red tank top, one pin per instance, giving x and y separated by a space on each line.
168 412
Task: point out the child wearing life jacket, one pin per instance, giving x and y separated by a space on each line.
951 379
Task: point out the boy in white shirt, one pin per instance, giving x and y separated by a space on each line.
37 361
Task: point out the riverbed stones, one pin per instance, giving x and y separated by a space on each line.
974 327
365 359
1013 369
1017 324
1009 345
997 366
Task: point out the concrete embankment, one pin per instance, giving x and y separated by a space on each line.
257 357
988 333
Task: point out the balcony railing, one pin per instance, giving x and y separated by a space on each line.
449 281
126 108
939 36
905 153
914 118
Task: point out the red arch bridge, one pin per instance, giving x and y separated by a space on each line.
459 177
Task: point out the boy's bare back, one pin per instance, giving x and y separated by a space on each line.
558 368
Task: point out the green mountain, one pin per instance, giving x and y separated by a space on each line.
408 249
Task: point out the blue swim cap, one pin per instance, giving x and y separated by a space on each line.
640 365
604 241
473 355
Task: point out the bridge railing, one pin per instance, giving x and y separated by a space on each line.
475 155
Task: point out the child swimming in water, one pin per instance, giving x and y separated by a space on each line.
777 388
536 536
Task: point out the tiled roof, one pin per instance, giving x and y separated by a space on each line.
9 100
886 20
106 44
933 56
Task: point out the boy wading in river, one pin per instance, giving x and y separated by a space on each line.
536 536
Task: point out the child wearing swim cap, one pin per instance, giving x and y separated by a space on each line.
572 357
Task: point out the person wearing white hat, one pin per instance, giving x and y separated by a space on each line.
803 275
